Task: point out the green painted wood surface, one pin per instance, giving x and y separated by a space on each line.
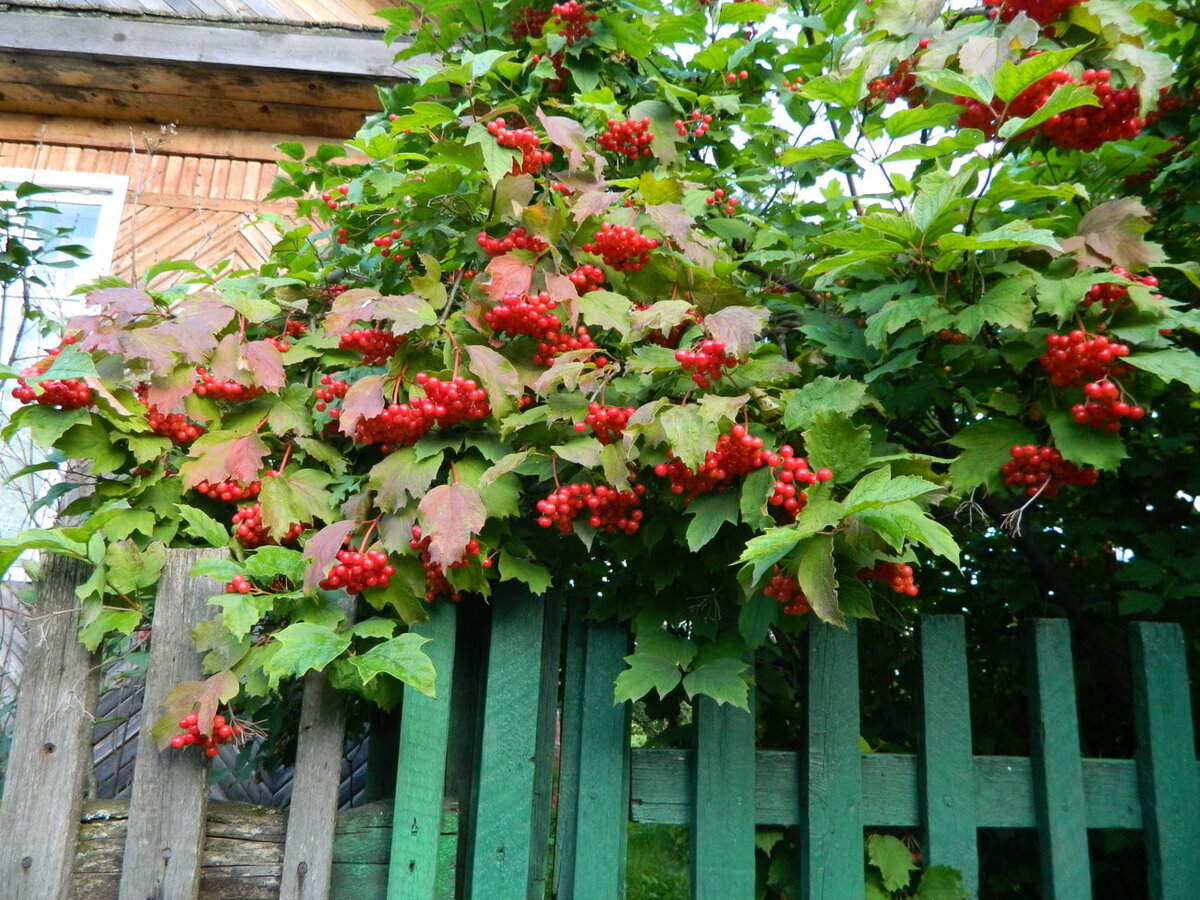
544 747
421 771
1057 767
1170 790
571 742
723 864
601 780
661 790
503 826
945 769
831 770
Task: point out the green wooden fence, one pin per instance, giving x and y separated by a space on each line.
525 738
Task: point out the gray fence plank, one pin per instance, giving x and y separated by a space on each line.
170 790
51 752
308 853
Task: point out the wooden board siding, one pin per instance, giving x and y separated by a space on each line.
349 13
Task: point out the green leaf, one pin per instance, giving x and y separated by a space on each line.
71 362
689 434
941 883
403 659
108 621
1019 233
130 570
756 488
841 395
1083 445
1170 365
1010 79
653 638
894 861
709 513
829 149
295 496
879 488
203 526
401 477
304 646
1065 97
985 447
833 441
906 121
646 671
241 612
605 309
1060 297
956 84
723 679
817 575
1006 303
536 577
266 563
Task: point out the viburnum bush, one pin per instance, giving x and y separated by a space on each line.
924 290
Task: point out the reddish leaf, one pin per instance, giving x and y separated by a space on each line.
265 363
567 134
217 457
201 697
226 363
217 689
406 312
672 220
167 392
158 349
363 400
594 203
738 327
661 316
1111 235
563 290
507 273
497 375
355 305
126 300
322 549
449 515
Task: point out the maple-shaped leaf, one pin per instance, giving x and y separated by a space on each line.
195 323
160 350
220 456
166 392
363 400
354 305
498 376
1111 235
449 515
322 550
265 363
406 312
567 134
295 497
564 292
201 697
507 273
738 327
127 300
661 316
401 477
672 219
594 203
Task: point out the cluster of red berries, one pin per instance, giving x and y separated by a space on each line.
517 239
1113 296
785 589
733 77
788 495
224 388
630 138
897 576
1088 127
436 583
64 393
239 584
229 491
793 86
1042 470
531 314
248 528
447 403
528 22
330 198
222 733
387 241
375 345
707 361
696 125
608 509
573 20
355 571
719 198
1044 12
898 84
988 117
1104 409
333 291
331 389
554 345
533 157
948 336
399 425
622 246
587 278
737 454
174 426
1074 359
607 422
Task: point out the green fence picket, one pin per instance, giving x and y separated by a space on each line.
1167 773
503 833
724 813
946 768
1057 767
831 773
421 774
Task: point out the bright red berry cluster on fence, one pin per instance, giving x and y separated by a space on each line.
1074 359
695 125
622 246
554 345
1088 127
573 20
1044 12
707 361
517 239
1104 409
65 393
788 495
229 491
608 509
898 84
533 157
630 138
330 389
436 583
224 388
209 744
607 422
1042 470
399 425
530 314
447 403
250 531
1113 296
374 344
587 278
785 589
355 571
737 453
897 576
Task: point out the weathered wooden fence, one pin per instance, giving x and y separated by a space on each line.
530 743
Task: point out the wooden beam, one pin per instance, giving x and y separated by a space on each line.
186 140
328 51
